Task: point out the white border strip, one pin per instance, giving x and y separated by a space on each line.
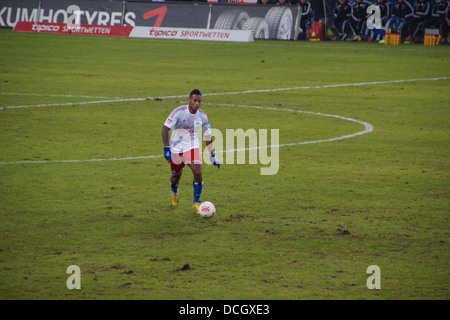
192 34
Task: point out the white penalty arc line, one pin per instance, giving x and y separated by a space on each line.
358 84
367 129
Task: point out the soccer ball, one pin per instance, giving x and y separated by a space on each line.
207 209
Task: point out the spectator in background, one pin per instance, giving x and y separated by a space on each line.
283 3
265 2
385 13
359 18
306 18
421 12
438 18
341 24
447 19
402 12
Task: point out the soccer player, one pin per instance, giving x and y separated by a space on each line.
184 146
359 17
421 12
402 12
341 25
438 18
306 18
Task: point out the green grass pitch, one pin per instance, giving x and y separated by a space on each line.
333 209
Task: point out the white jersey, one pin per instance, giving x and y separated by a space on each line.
185 127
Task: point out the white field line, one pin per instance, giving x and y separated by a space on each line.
358 84
300 45
73 103
75 161
307 46
53 95
327 86
367 128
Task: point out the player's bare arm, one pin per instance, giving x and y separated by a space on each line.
212 154
209 144
165 135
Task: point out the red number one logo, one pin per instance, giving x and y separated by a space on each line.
159 12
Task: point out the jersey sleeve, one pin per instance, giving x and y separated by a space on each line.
206 127
171 120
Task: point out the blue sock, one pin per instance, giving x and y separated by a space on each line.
197 191
174 189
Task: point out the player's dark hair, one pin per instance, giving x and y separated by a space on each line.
195 91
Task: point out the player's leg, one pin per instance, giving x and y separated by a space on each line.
174 182
197 183
443 28
402 25
198 180
419 26
334 26
177 170
413 27
357 26
193 160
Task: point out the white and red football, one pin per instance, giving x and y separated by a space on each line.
207 209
